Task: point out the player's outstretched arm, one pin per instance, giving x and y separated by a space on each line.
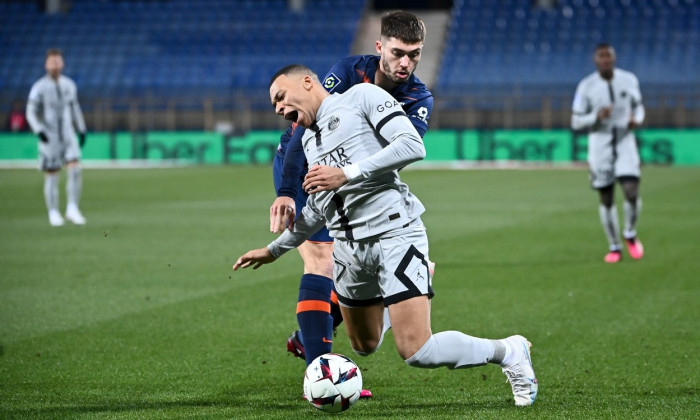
282 212
255 257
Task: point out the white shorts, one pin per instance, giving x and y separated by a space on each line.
389 269
55 153
612 158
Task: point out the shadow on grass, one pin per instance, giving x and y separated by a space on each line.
247 406
68 411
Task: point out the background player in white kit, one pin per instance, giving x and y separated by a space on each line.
355 145
52 112
608 103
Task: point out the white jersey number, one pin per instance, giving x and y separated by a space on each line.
422 113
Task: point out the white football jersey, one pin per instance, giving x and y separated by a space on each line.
366 132
53 108
593 93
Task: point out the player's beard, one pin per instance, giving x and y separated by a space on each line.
391 76
606 74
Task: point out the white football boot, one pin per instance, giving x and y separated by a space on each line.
73 215
519 370
55 218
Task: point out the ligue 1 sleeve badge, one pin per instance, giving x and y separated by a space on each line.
331 82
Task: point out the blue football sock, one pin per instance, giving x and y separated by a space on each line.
335 310
314 315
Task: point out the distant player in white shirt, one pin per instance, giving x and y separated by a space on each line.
355 143
53 113
608 103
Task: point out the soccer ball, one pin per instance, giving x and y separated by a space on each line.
332 383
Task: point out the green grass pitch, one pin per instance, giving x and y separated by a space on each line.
137 315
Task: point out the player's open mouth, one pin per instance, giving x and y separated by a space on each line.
292 116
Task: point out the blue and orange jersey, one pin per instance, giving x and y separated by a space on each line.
414 96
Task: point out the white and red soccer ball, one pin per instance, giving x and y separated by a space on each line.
332 383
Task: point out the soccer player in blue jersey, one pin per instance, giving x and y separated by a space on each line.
399 48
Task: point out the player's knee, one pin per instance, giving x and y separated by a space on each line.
606 196
365 347
631 191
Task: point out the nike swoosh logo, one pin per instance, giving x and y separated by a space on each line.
325 340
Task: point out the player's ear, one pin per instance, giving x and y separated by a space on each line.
378 46
308 82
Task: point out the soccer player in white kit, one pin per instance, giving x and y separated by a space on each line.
53 113
355 143
608 103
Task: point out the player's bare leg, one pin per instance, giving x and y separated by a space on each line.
317 257
410 323
364 327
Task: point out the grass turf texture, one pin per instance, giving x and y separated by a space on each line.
137 315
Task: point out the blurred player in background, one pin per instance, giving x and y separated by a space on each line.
399 49
52 112
356 144
608 103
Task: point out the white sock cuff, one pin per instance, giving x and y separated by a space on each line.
423 353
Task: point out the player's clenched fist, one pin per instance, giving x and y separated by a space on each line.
255 257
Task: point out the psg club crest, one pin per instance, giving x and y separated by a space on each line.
333 123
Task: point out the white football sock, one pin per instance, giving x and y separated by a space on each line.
611 226
631 213
51 190
387 322
74 185
455 350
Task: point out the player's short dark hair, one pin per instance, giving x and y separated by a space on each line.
603 46
291 70
402 25
53 51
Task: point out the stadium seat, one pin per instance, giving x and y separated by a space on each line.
522 47
509 46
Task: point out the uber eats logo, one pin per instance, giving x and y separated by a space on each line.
555 145
517 146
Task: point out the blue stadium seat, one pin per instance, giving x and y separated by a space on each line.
176 44
522 47
222 45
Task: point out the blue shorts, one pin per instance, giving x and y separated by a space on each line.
299 201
